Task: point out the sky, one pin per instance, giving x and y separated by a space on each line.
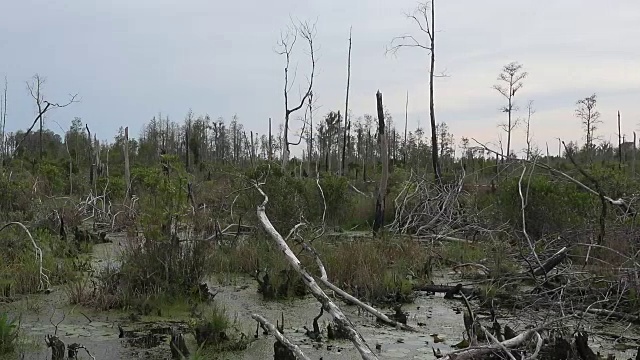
130 60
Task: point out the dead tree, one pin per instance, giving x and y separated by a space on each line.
512 76
43 107
3 121
92 164
406 122
286 44
34 90
619 142
590 118
530 112
424 16
382 191
346 109
127 171
341 320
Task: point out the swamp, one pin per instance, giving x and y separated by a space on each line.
330 237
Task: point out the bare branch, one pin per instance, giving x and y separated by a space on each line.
281 338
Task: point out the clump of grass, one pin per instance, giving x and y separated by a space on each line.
495 255
373 269
19 270
161 266
214 330
8 333
370 269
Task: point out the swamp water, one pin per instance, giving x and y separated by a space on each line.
439 322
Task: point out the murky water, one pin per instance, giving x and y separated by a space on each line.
436 318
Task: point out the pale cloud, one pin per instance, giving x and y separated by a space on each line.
130 60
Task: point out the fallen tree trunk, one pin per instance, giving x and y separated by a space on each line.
552 262
337 314
380 316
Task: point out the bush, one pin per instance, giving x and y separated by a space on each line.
8 333
291 198
552 205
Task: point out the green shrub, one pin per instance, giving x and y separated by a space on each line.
8 333
552 205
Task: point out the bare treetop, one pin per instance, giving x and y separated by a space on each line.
286 44
420 16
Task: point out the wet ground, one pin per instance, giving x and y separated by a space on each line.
439 321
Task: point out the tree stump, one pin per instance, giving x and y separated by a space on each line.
57 347
178 346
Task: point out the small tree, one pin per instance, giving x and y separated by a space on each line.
512 76
590 118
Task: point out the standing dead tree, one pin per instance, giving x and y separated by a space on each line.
424 16
127 171
384 148
512 76
34 89
43 107
530 112
286 44
346 110
3 120
590 118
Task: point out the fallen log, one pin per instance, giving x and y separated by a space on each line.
552 262
341 320
379 315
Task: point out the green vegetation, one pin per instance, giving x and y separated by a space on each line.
8 333
189 215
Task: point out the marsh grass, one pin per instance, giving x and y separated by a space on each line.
19 270
370 269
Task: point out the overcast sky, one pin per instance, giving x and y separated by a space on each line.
129 60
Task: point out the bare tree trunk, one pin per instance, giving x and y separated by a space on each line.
127 172
633 157
432 113
252 152
619 142
91 167
406 122
97 164
382 191
270 142
3 122
346 108
186 140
